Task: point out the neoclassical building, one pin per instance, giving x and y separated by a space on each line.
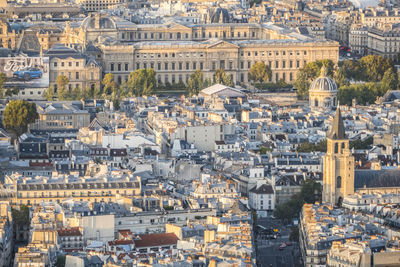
323 92
175 50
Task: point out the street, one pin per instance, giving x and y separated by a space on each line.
268 252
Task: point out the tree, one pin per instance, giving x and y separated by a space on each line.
375 66
359 144
340 78
60 261
353 70
389 81
310 193
222 77
196 83
20 216
302 83
142 82
62 82
17 115
307 147
109 85
294 234
309 72
76 93
260 72
3 78
49 94
363 93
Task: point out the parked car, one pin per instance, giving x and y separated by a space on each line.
28 74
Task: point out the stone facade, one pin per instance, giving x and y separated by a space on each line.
338 174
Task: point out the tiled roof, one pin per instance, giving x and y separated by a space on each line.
156 240
74 231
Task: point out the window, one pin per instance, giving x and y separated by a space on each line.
338 182
77 64
77 75
55 64
126 66
112 67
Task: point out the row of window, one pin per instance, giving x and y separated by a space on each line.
70 63
201 54
180 36
200 65
66 194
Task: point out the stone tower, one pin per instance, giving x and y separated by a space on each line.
338 164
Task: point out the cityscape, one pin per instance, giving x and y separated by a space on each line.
194 133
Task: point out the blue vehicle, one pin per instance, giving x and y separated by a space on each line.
28 74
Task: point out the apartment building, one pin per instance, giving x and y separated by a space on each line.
102 189
60 115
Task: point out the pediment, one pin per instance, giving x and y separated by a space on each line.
221 44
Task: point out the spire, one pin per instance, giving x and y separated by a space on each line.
323 72
337 131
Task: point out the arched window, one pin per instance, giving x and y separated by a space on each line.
338 182
336 147
316 102
341 150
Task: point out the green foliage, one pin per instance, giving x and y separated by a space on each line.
363 92
294 234
17 115
168 207
260 72
3 78
353 70
196 83
340 78
60 261
21 216
377 72
309 72
271 87
62 82
308 147
389 81
109 85
142 82
264 150
310 193
222 77
358 144
375 66
172 86
49 94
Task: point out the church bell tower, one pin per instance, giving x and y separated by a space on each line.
338 164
